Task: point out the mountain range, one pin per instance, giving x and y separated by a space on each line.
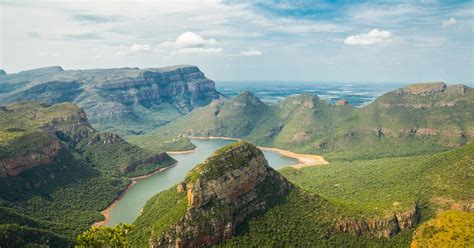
400 170
413 120
123 100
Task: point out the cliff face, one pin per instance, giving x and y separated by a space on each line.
223 192
118 99
383 226
34 135
13 166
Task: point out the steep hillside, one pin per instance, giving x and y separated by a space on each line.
125 100
214 199
235 199
57 172
417 119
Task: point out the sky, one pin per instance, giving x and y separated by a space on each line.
320 41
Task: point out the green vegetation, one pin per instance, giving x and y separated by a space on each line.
213 167
303 219
160 213
399 123
158 144
105 237
52 201
449 229
376 186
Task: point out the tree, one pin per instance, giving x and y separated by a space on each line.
103 236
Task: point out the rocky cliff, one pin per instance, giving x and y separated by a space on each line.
232 185
124 100
36 134
387 226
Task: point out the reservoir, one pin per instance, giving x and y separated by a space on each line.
129 206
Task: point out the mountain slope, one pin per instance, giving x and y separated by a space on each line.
214 199
234 199
125 100
60 172
414 120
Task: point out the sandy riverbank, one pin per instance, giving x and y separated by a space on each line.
305 160
182 152
134 180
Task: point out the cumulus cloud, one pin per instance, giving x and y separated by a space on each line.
449 22
134 49
189 42
251 53
371 38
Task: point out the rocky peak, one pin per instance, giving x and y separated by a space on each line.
222 192
307 101
246 98
424 89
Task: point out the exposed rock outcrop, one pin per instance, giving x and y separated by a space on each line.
222 192
383 226
424 88
15 165
128 96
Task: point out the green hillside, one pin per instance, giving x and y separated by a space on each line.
416 120
364 191
57 172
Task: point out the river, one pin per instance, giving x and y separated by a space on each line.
128 207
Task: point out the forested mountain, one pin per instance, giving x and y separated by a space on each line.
417 119
57 172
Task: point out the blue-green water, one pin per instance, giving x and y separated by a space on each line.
129 206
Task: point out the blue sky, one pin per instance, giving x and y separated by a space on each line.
330 41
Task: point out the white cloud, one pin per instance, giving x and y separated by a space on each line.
188 40
134 49
373 37
251 53
191 43
449 22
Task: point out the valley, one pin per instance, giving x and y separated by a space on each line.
228 171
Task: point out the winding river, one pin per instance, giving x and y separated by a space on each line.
128 207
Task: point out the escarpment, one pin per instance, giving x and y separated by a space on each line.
34 135
387 226
232 185
124 99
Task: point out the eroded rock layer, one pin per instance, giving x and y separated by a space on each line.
229 187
